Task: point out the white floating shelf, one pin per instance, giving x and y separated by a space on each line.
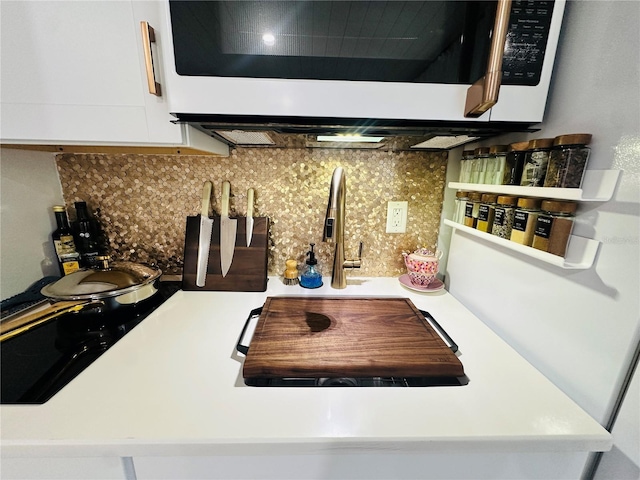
597 186
581 252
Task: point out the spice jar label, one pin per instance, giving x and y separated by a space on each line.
468 210
520 220
500 217
543 227
483 213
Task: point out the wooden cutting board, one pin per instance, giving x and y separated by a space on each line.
346 337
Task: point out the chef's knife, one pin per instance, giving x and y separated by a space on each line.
204 239
227 231
249 224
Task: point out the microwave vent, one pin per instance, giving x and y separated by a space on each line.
445 142
245 138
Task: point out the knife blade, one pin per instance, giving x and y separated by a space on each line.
249 224
228 228
204 238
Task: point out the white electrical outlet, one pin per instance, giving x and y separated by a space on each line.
397 217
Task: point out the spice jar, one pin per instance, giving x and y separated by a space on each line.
524 220
554 226
535 162
471 209
486 212
514 162
465 166
461 202
496 164
568 160
479 166
503 217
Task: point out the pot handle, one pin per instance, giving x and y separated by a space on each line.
12 328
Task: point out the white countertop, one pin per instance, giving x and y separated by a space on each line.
173 386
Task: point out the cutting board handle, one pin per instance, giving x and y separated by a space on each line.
245 337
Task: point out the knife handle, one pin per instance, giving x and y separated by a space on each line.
250 194
226 192
206 198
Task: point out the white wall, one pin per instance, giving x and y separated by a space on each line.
579 328
29 187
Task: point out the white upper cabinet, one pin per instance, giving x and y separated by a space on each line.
73 72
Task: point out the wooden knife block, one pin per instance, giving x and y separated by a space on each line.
248 272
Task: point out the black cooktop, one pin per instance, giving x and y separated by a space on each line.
37 364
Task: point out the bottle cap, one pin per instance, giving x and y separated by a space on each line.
58 208
81 210
489 197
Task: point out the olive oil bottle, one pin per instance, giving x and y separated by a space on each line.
68 257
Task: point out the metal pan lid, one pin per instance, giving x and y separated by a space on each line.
117 279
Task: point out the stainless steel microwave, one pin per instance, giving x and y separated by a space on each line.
432 61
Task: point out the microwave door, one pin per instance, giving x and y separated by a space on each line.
379 41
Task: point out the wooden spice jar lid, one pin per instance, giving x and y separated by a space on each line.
493 149
489 197
572 139
554 206
507 200
475 196
539 143
518 146
530 203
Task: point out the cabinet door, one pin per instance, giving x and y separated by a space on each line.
71 72
87 468
161 130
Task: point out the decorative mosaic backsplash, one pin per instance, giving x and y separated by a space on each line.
144 200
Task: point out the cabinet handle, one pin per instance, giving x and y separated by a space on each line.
483 94
149 36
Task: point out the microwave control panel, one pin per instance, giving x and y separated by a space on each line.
527 37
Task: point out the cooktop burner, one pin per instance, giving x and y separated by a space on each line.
40 362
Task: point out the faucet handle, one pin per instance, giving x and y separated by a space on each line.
355 263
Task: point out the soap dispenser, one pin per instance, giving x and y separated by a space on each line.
311 276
